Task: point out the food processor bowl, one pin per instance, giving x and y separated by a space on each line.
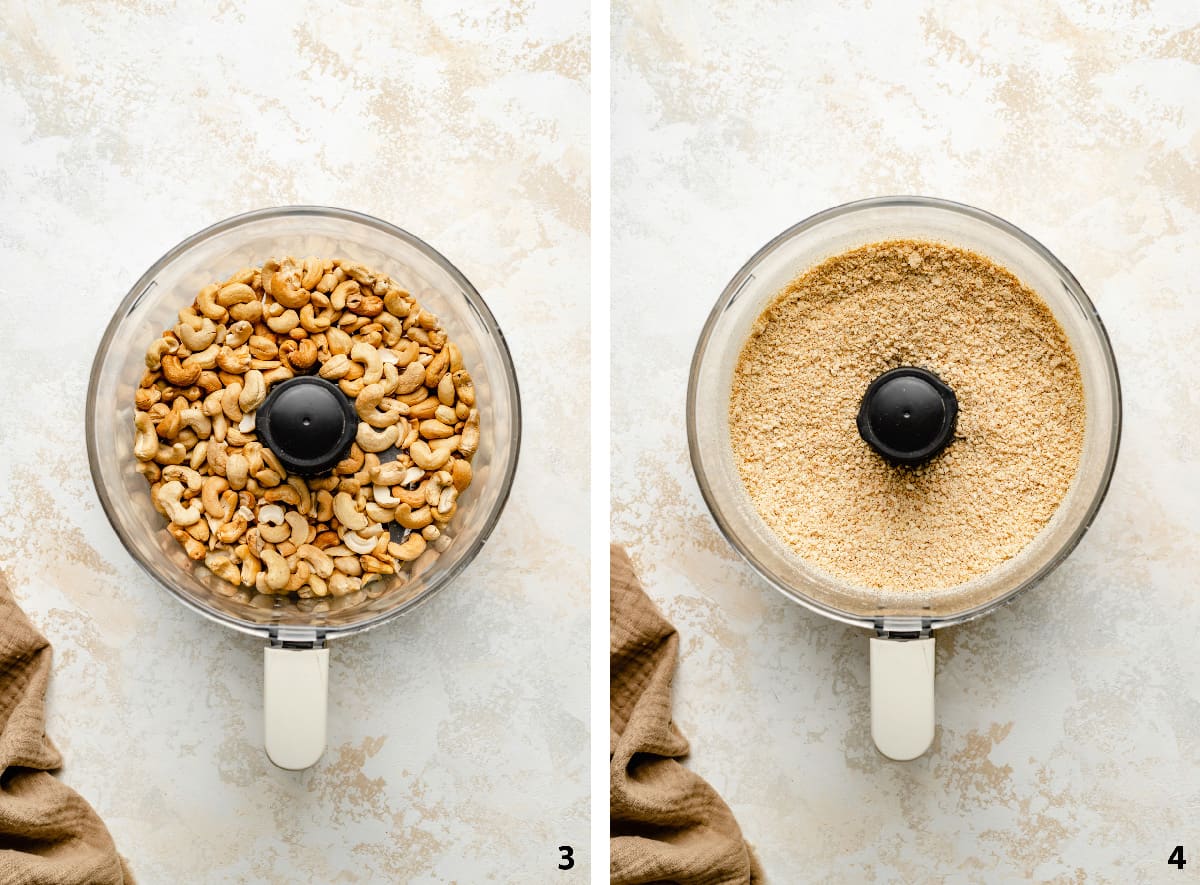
296 629
902 672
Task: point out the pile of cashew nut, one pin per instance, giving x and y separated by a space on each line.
226 497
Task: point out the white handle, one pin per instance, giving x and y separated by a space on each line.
902 696
295 688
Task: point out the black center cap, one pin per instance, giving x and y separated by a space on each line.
908 415
308 423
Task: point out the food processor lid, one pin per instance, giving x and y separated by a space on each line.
308 423
908 415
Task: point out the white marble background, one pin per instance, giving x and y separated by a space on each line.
458 735
1068 746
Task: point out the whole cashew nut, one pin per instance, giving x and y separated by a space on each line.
278 573
197 420
238 334
426 458
358 543
371 440
299 527
197 339
235 293
235 527
177 472
347 514
210 495
372 364
168 497
413 519
335 368
412 547
145 444
367 406
254 391
159 348
342 585
464 386
237 471
411 378
389 474
223 566
383 495
318 559
181 373
469 442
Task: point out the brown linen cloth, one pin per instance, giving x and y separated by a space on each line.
667 824
48 834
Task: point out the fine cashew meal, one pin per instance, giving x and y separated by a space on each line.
383 507
799 384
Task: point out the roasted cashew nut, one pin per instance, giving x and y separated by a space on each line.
358 543
445 390
411 378
432 429
347 514
198 421
321 562
253 392
413 519
372 369
145 444
371 440
210 495
235 293
180 373
383 495
398 303
412 547
197 339
236 526
368 403
278 573
299 527
238 334
169 495
335 368
469 442
157 350
178 473
223 566
235 362
426 458
237 471
342 585
464 386
389 474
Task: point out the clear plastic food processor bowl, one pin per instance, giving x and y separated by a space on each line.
215 253
896 614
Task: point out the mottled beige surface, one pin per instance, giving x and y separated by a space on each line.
1068 742
458 735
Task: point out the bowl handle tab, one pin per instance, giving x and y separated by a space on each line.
295 693
902 714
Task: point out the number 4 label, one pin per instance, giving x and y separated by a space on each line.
1177 857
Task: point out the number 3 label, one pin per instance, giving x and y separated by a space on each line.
568 857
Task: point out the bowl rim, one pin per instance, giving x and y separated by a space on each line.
314 632
734 287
